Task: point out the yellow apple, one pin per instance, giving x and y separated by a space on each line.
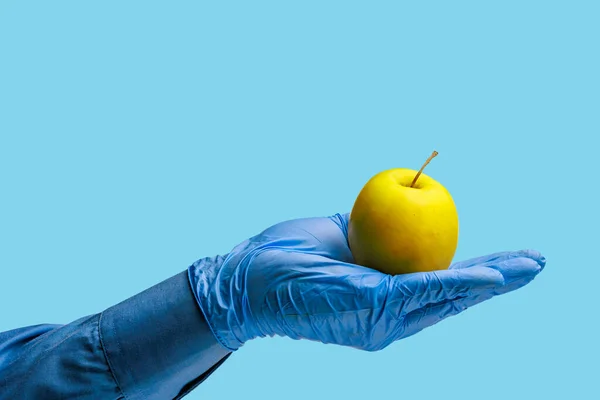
397 228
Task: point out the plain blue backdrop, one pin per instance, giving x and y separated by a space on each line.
139 136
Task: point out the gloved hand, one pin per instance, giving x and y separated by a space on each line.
297 279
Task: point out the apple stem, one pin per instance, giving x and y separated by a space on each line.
435 153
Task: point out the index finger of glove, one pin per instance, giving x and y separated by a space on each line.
501 257
413 291
430 315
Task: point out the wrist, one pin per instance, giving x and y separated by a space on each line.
219 292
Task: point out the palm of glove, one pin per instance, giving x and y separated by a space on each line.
298 279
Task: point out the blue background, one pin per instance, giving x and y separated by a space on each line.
136 137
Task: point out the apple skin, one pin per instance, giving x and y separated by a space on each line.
396 229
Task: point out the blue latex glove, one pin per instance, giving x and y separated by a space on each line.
297 279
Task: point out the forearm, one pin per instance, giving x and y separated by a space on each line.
155 345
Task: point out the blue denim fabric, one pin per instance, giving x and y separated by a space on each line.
155 345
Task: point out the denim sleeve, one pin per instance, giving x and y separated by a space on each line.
154 345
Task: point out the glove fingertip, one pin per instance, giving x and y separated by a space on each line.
534 255
518 268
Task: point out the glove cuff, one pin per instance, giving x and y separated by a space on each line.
215 293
